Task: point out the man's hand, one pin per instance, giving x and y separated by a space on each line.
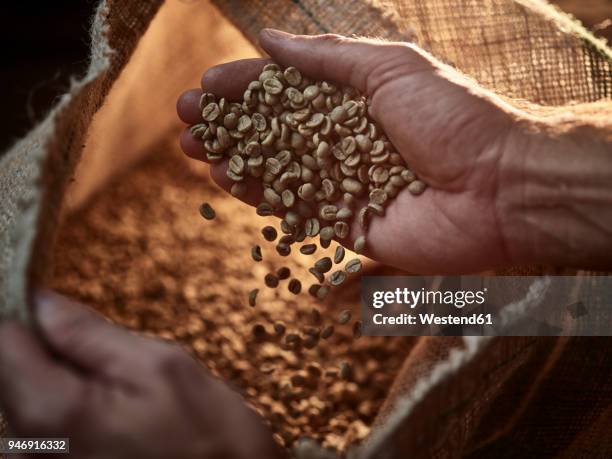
118 395
505 188
452 138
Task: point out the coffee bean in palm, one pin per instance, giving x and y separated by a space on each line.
339 254
353 266
337 278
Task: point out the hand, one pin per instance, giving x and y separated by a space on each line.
118 395
450 137
466 143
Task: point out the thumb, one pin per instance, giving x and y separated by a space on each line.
85 338
35 389
362 63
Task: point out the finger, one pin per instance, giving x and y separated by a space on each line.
192 147
86 339
231 79
33 385
228 80
327 57
336 58
188 106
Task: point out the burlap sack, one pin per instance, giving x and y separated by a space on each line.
479 397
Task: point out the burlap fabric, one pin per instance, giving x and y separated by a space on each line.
480 397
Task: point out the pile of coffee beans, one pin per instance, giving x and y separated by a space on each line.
155 265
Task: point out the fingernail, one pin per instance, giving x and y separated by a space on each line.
276 34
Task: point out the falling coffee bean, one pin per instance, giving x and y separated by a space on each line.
271 280
295 286
253 297
207 211
256 253
269 233
327 332
283 273
345 317
308 249
337 278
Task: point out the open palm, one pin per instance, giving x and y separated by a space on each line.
449 131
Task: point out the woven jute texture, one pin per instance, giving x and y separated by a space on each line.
479 397
526 49
35 172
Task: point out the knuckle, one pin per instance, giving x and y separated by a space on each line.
332 38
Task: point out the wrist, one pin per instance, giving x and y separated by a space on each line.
557 206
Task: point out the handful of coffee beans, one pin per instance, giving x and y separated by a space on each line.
322 161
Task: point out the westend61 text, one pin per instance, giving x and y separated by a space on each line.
432 319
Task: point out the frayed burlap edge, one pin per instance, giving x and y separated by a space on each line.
36 170
351 17
28 185
34 173
568 23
